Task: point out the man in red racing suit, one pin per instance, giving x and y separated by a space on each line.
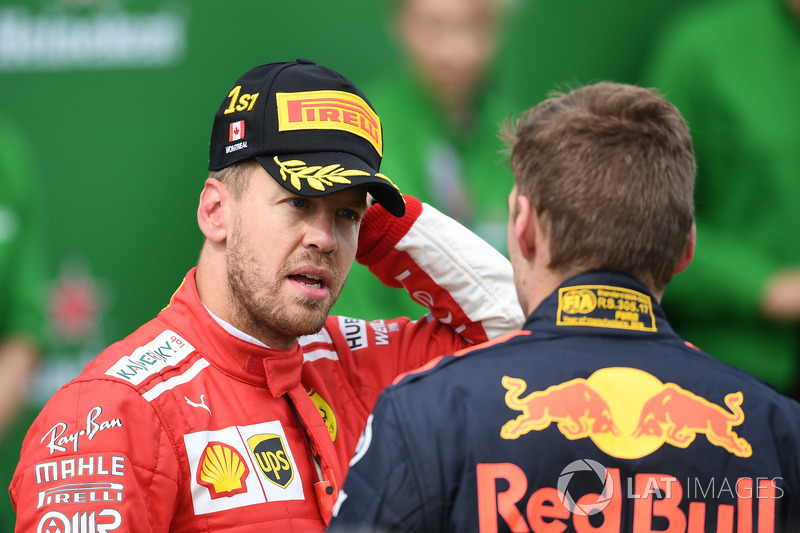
192 424
184 426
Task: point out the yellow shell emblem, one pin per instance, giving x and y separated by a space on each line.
222 470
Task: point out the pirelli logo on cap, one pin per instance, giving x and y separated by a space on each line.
329 110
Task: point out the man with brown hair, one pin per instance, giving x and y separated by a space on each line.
595 416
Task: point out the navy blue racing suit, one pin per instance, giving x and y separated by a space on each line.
596 416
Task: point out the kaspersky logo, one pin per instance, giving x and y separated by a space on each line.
629 422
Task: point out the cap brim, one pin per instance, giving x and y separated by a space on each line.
320 174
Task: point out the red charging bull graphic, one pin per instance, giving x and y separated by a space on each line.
678 415
577 409
626 422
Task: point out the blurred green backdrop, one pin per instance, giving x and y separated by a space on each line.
116 99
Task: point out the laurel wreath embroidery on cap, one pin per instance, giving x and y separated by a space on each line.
317 177
384 177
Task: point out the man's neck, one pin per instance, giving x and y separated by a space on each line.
233 330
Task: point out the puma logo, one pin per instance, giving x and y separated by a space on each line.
202 403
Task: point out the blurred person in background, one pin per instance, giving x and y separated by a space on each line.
441 110
740 96
22 276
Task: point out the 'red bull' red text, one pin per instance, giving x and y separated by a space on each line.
654 497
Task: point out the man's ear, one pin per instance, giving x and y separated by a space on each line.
524 232
213 211
688 252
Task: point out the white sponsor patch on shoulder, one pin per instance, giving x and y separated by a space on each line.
168 349
354 331
381 332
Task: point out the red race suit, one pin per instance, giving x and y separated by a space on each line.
186 426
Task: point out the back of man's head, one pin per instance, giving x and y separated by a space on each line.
609 169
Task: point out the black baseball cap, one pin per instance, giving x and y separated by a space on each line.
310 128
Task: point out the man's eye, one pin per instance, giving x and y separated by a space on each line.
297 202
349 214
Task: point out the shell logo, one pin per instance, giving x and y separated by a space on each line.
222 470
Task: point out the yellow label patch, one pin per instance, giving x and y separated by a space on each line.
329 110
603 306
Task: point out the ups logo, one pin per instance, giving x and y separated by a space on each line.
271 457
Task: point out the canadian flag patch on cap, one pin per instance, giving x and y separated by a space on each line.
236 131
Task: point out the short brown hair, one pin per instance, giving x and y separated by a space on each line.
236 177
610 170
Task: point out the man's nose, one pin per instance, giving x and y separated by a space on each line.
321 234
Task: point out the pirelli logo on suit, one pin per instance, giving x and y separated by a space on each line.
331 110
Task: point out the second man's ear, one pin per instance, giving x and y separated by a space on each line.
688 252
524 230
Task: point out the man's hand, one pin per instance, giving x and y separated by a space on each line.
18 360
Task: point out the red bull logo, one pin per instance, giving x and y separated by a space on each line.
626 422
678 416
646 503
577 409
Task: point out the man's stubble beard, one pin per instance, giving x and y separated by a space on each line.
256 299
